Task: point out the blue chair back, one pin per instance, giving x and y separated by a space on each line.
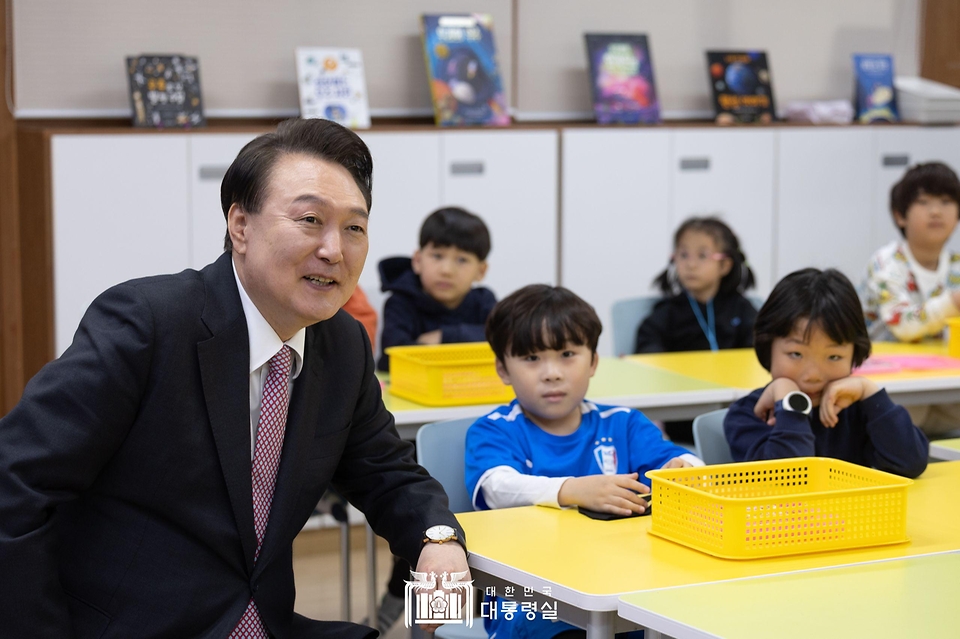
709 439
440 449
627 316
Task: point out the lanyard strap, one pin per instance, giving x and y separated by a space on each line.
708 327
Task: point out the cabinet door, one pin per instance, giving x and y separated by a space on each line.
616 224
729 174
825 216
406 188
119 211
210 157
509 178
896 150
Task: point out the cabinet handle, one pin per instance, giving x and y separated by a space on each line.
694 164
896 160
466 168
212 172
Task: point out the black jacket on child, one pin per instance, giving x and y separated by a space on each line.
673 327
410 312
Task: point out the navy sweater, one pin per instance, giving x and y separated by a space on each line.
873 432
410 312
672 326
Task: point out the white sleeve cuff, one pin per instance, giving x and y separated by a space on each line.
504 487
691 459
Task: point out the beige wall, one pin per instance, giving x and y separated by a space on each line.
69 55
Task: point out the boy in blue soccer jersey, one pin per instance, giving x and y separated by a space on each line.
550 447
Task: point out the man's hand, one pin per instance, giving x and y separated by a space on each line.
841 393
773 393
448 557
432 337
615 494
677 462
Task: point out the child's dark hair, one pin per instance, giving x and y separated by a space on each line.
539 317
932 178
826 299
739 279
453 226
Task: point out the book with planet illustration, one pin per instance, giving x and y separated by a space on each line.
875 99
332 86
462 70
742 90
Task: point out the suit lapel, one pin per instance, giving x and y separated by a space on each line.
225 374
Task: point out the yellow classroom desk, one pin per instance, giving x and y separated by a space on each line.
589 564
945 449
913 597
660 394
738 368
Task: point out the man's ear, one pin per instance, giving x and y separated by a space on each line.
502 372
417 261
237 220
481 273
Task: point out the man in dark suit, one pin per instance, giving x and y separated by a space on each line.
152 479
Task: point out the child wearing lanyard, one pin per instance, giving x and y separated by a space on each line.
703 306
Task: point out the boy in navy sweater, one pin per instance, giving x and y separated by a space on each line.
434 300
810 334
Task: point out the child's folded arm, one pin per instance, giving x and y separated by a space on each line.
461 333
751 439
505 487
905 318
899 446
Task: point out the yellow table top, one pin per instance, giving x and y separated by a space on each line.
915 597
590 563
739 367
617 381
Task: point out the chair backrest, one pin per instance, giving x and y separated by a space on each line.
440 449
756 300
709 439
627 316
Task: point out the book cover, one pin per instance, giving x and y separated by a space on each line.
621 78
165 91
742 91
462 70
332 86
875 98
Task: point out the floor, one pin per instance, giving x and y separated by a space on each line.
316 567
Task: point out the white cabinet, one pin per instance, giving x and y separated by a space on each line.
895 150
615 224
825 217
509 178
406 188
729 173
119 212
210 157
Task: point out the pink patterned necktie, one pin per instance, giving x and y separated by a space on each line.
266 460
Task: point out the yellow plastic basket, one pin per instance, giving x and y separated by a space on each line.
447 375
778 507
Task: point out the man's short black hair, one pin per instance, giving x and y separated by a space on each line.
539 317
932 178
453 226
246 181
826 299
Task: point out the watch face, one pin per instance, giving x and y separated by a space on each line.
440 532
798 402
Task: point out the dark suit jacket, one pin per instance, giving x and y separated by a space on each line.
125 487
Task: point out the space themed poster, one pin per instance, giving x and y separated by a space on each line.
875 99
462 70
741 86
165 91
621 79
